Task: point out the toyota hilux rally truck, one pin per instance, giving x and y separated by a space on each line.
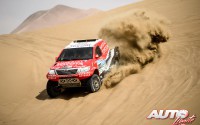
83 63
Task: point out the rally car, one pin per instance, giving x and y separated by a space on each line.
82 63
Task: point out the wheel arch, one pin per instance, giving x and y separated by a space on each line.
96 71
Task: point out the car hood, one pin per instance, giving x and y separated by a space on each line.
72 64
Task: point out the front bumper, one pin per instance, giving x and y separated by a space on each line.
73 80
80 76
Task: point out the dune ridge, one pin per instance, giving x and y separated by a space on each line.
57 15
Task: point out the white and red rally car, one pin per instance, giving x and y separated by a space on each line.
83 63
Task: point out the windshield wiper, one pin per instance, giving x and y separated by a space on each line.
65 59
86 58
80 58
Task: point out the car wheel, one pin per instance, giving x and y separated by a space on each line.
116 56
53 90
94 83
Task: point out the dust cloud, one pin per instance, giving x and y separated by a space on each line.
138 35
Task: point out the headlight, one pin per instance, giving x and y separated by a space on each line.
52 72
85 69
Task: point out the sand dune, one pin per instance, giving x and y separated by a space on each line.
171 82
48 18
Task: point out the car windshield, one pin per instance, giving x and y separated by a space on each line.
76 54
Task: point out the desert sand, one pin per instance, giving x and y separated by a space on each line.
171 82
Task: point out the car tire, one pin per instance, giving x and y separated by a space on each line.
116 56
94 83
117 53
53 90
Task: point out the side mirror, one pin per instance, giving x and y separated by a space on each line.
56 58
97 56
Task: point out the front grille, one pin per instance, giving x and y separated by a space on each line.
66 71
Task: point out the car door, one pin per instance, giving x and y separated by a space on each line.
100 60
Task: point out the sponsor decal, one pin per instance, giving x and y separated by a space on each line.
180 115
105 49
81 45
70 63
102 45
70 80
51 76
66 67
101 65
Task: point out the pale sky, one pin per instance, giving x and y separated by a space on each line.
14 12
